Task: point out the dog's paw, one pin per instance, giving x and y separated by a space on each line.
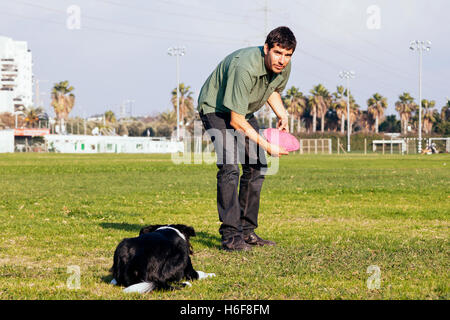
204 275
142 287
187 284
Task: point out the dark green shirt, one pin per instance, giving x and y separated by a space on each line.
241 83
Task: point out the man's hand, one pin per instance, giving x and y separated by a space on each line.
276 151
276 103
283 124
239 123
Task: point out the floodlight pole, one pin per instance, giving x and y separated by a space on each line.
420 46
347 75
348 114
177 52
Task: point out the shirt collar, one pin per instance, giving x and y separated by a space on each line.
262 70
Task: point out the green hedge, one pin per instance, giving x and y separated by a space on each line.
357 139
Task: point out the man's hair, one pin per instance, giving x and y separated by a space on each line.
283 37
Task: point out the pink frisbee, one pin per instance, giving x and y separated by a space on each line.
282 138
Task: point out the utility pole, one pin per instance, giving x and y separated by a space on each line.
348 75
420 46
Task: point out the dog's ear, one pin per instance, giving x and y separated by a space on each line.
150 228
186 230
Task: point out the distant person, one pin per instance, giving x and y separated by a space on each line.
240 85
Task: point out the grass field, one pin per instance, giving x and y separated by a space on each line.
332 217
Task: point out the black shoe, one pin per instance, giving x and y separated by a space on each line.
253 239
235 243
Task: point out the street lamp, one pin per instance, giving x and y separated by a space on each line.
16 113
348 75
177 52
420 46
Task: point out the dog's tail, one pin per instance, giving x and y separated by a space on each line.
142 287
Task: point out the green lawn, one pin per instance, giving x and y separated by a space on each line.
332 217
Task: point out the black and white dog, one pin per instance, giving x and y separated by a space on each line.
159 256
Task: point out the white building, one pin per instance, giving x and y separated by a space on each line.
6 141
16 77
110 144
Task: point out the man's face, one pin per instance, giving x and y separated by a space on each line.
277 58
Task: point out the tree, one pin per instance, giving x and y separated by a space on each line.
364 121
149 132
167 121
391 124
319 102
168 118
375 107
354 110
429 117
405 106
355 113
135 129
339 104
122 130
296 105
62 99
32 116
110 117
7 120
445 112
186 103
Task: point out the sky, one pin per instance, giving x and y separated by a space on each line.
114 51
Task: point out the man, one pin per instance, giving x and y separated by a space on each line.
241 84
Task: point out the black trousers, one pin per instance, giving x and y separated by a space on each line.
237 198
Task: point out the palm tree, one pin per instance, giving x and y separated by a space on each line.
32 116
405 106
290 105
167 122
376 106
186 103
296 105
364 121
445 112
429 117
110 117
168 118
319 102
355 113
61 102
339 104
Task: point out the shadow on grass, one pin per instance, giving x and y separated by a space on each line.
207 240
107 279
204 238
122 226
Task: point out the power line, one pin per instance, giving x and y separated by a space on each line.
9 14
229 13
231 40
362 59
400 73
183 15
